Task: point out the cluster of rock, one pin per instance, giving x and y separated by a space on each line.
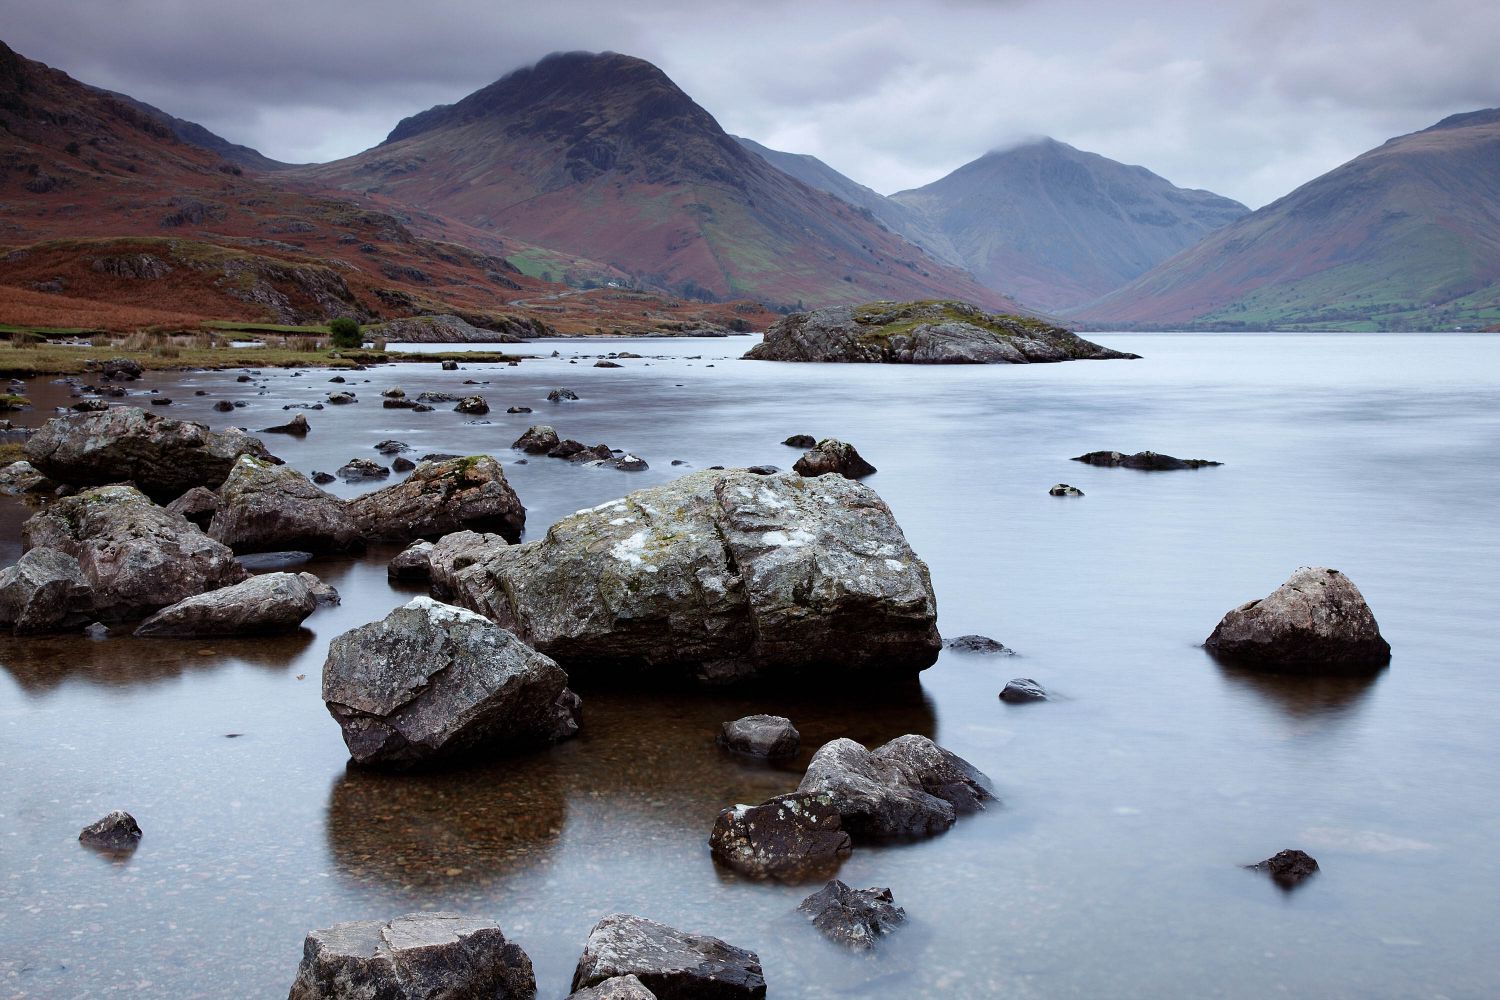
543 439
923 333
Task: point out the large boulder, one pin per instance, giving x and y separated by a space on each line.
262 605
275 508
43 592
1146 461
117 833
923 333
162 457
1316 621
538 439
854 918
831 455
431 681
137 557
672 964
442 497
720 576
791 837
910 787
441 329
421 956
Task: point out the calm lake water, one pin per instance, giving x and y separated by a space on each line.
1111 868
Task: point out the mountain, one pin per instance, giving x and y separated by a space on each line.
893 215
1405 236
1058 227
602 155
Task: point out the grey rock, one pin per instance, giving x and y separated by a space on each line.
198 505
437 397
629 463
224 406
22 478
1148 461
833 455
403 464
431 682
558 395
272 508
1288 869
420 956
98 630
439 329
672 964
438 498
450 366
617 988
803 441
793 837
411 564
854 918
1064 490
137 557
162 457
357 469
518 409
392 447
322 478
262 605
1021 690
717 577
455 552
771 736
1316 622
910 787
341 398
118 833
607 364
323 593
978 644
394 392
473 405
45 591
538 440
930 333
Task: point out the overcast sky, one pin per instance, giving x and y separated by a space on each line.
1249 98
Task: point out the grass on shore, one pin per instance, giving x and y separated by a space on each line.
25 358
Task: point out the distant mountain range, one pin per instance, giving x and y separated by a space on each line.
1406 237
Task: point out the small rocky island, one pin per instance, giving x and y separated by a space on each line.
922 333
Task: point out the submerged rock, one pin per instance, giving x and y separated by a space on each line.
717 577
923 333
45 591
538 439
803 441
791 837
117 832
978 644
1317 621
431 681
162 457
421 956
357 469
771 736
1149 461
1021 690
909 787
672 964
262 605
441 497
1287 869
558 395
475 405
1064 490
833 455
137 557
272 508
297 427
854 918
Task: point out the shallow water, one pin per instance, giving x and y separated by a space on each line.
1129 801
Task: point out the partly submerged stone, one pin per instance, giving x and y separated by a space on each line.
118 832
720 576
162 457
771 736
982 644
1317 621
672 964
537 440
833 455
262 605
420 956
854 918
438 498
909 787
45 591
431 681
1148 461
1288 869
1021 690
792 837
297 427
273 508
1064 490
923 333
412 564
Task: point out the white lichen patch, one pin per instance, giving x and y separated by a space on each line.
795 538
771 500
895 564
443 614
629 550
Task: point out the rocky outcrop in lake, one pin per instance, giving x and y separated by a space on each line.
921 333
441 497
831 455
117 833
262 605
275 508
421 956
443 329
672 964
1317 621
162 457
853 918
909 787
718 577
1147 461
432 682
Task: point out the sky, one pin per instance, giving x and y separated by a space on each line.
1247 98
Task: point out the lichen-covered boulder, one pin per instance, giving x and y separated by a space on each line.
137 557
854 918
1316 621
421 956
770 736
831 455
162 457
909 787
45 591
441 497
537 440
275 508
718 577
431 681
791 837
923 333
262 605
672 964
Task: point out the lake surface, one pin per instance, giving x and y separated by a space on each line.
1111 866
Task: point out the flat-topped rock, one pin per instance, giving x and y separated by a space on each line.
1317 621
923 333
1148 461
770 736
672 964
262 605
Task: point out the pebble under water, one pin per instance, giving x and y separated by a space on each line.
1129 800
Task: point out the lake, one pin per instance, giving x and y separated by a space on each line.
1111 866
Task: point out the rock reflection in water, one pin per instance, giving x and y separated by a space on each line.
40 664
1304 697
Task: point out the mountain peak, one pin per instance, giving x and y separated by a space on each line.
1468 119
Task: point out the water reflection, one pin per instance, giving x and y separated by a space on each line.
1304 697
41 664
